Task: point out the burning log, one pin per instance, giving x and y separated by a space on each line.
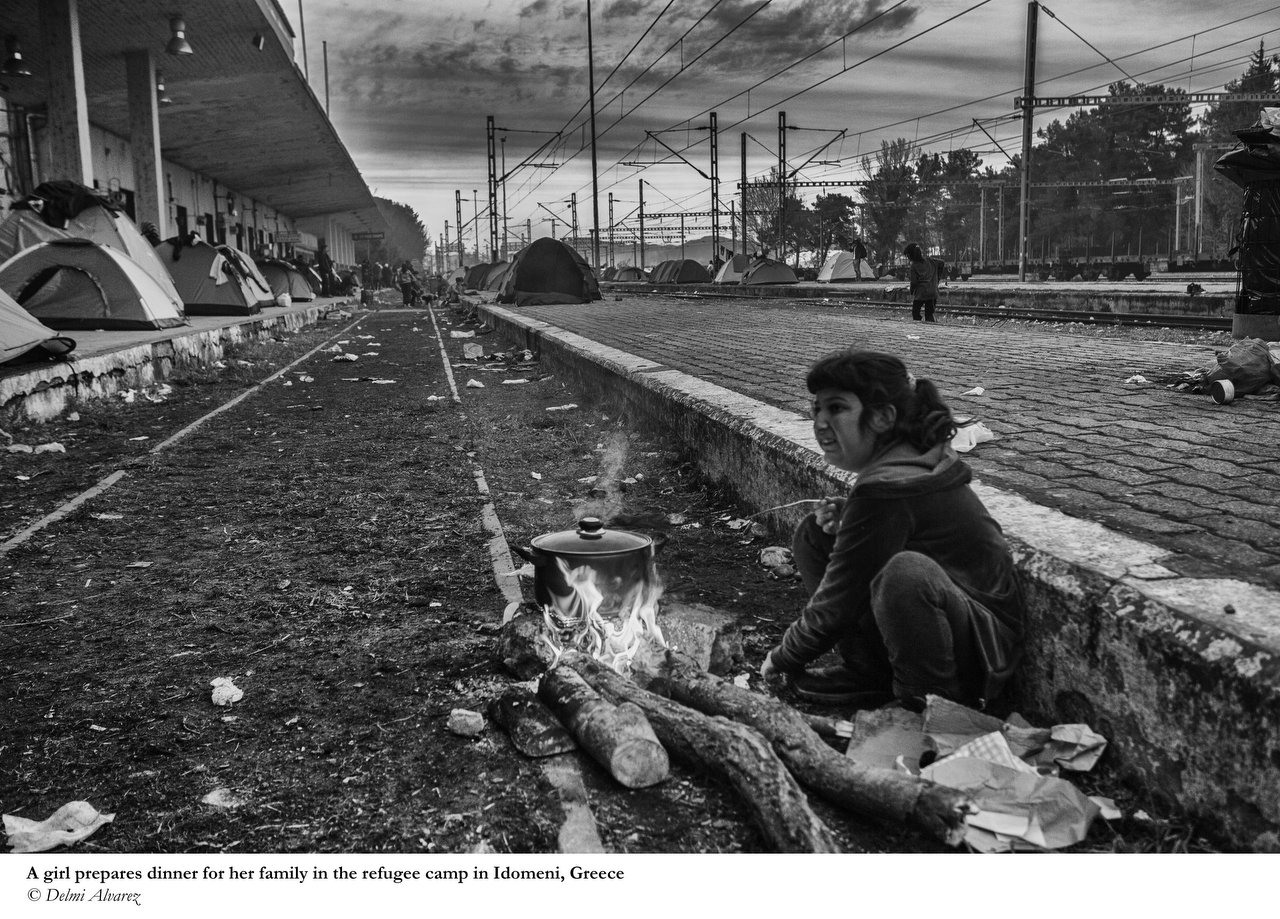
617 737
878 793
730 750
533 730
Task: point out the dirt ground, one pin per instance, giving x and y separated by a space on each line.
321 544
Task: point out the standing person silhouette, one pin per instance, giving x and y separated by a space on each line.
922 274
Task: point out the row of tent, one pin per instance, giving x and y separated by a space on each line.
742 269
69 260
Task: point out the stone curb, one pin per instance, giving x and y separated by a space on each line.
1181 674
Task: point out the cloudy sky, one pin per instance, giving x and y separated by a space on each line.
412 81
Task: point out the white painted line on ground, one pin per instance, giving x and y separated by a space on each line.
578 833
116 476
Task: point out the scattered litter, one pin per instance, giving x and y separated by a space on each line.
913 337
20 448
288 382
139 565
474 384
588 479
303 378
435 398
129 395
143 437
334 349
344 357
465 723
74 416
96 727
50 448
742 681
536 475
630 480
737 523
673 519
472 350
976 391
370 354
773 556
435 604
222 798
69 824
225 692
462 334
283 585
514 382
106 516
382 382
970 435
510 611
162 393
562 408
1137 378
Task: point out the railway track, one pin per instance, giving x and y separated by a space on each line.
1018 313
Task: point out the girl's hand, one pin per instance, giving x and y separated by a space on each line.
828 514
767 670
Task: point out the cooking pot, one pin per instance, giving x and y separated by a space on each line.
623 562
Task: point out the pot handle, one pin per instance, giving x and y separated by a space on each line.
528 553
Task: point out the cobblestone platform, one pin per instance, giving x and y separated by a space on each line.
1199 479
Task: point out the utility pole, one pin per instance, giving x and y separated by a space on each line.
782 186
715 191
595 186
475 219
324 45
982 226
733 229
573 212
506 244
611 262
462 246
641 265
493 192
446 241
1028 110
743 186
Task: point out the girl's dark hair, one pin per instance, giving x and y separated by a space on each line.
913 252
923 419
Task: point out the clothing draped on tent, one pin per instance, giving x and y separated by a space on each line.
209 283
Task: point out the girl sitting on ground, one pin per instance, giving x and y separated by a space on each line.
909 578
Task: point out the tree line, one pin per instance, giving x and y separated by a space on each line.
966 212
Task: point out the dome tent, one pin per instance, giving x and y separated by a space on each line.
78 284
549 271
732 270
630 273
63 210
22 334
686 271
209 283
285 278
767 271
843 266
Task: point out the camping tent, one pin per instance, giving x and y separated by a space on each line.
285 278
22 334
767 271
63 210
663 271
209 283
686 271
258 282
842 266
476 275
78 284
733 269
494 276
549 271
630 273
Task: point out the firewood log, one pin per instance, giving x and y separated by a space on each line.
878 793
732 751
617 737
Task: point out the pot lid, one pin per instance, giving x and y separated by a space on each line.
591 538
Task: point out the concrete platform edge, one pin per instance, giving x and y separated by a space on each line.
46 390
1181 674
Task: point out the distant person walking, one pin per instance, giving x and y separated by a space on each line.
859 256
406 281
324 265
922 274
387 275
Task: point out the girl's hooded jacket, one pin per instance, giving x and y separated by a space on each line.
906 500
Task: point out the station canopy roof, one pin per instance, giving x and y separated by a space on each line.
244 117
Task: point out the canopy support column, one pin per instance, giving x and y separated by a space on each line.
144 141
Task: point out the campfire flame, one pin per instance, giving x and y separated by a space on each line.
576 621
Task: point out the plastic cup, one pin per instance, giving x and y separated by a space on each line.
1223 391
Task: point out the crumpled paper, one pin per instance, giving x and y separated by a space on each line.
69 824
225 692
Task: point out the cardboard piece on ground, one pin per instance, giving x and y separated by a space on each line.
68 825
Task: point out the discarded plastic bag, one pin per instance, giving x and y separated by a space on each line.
69 824
1247 364
970 435
472 350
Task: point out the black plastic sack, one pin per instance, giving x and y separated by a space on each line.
1247 364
